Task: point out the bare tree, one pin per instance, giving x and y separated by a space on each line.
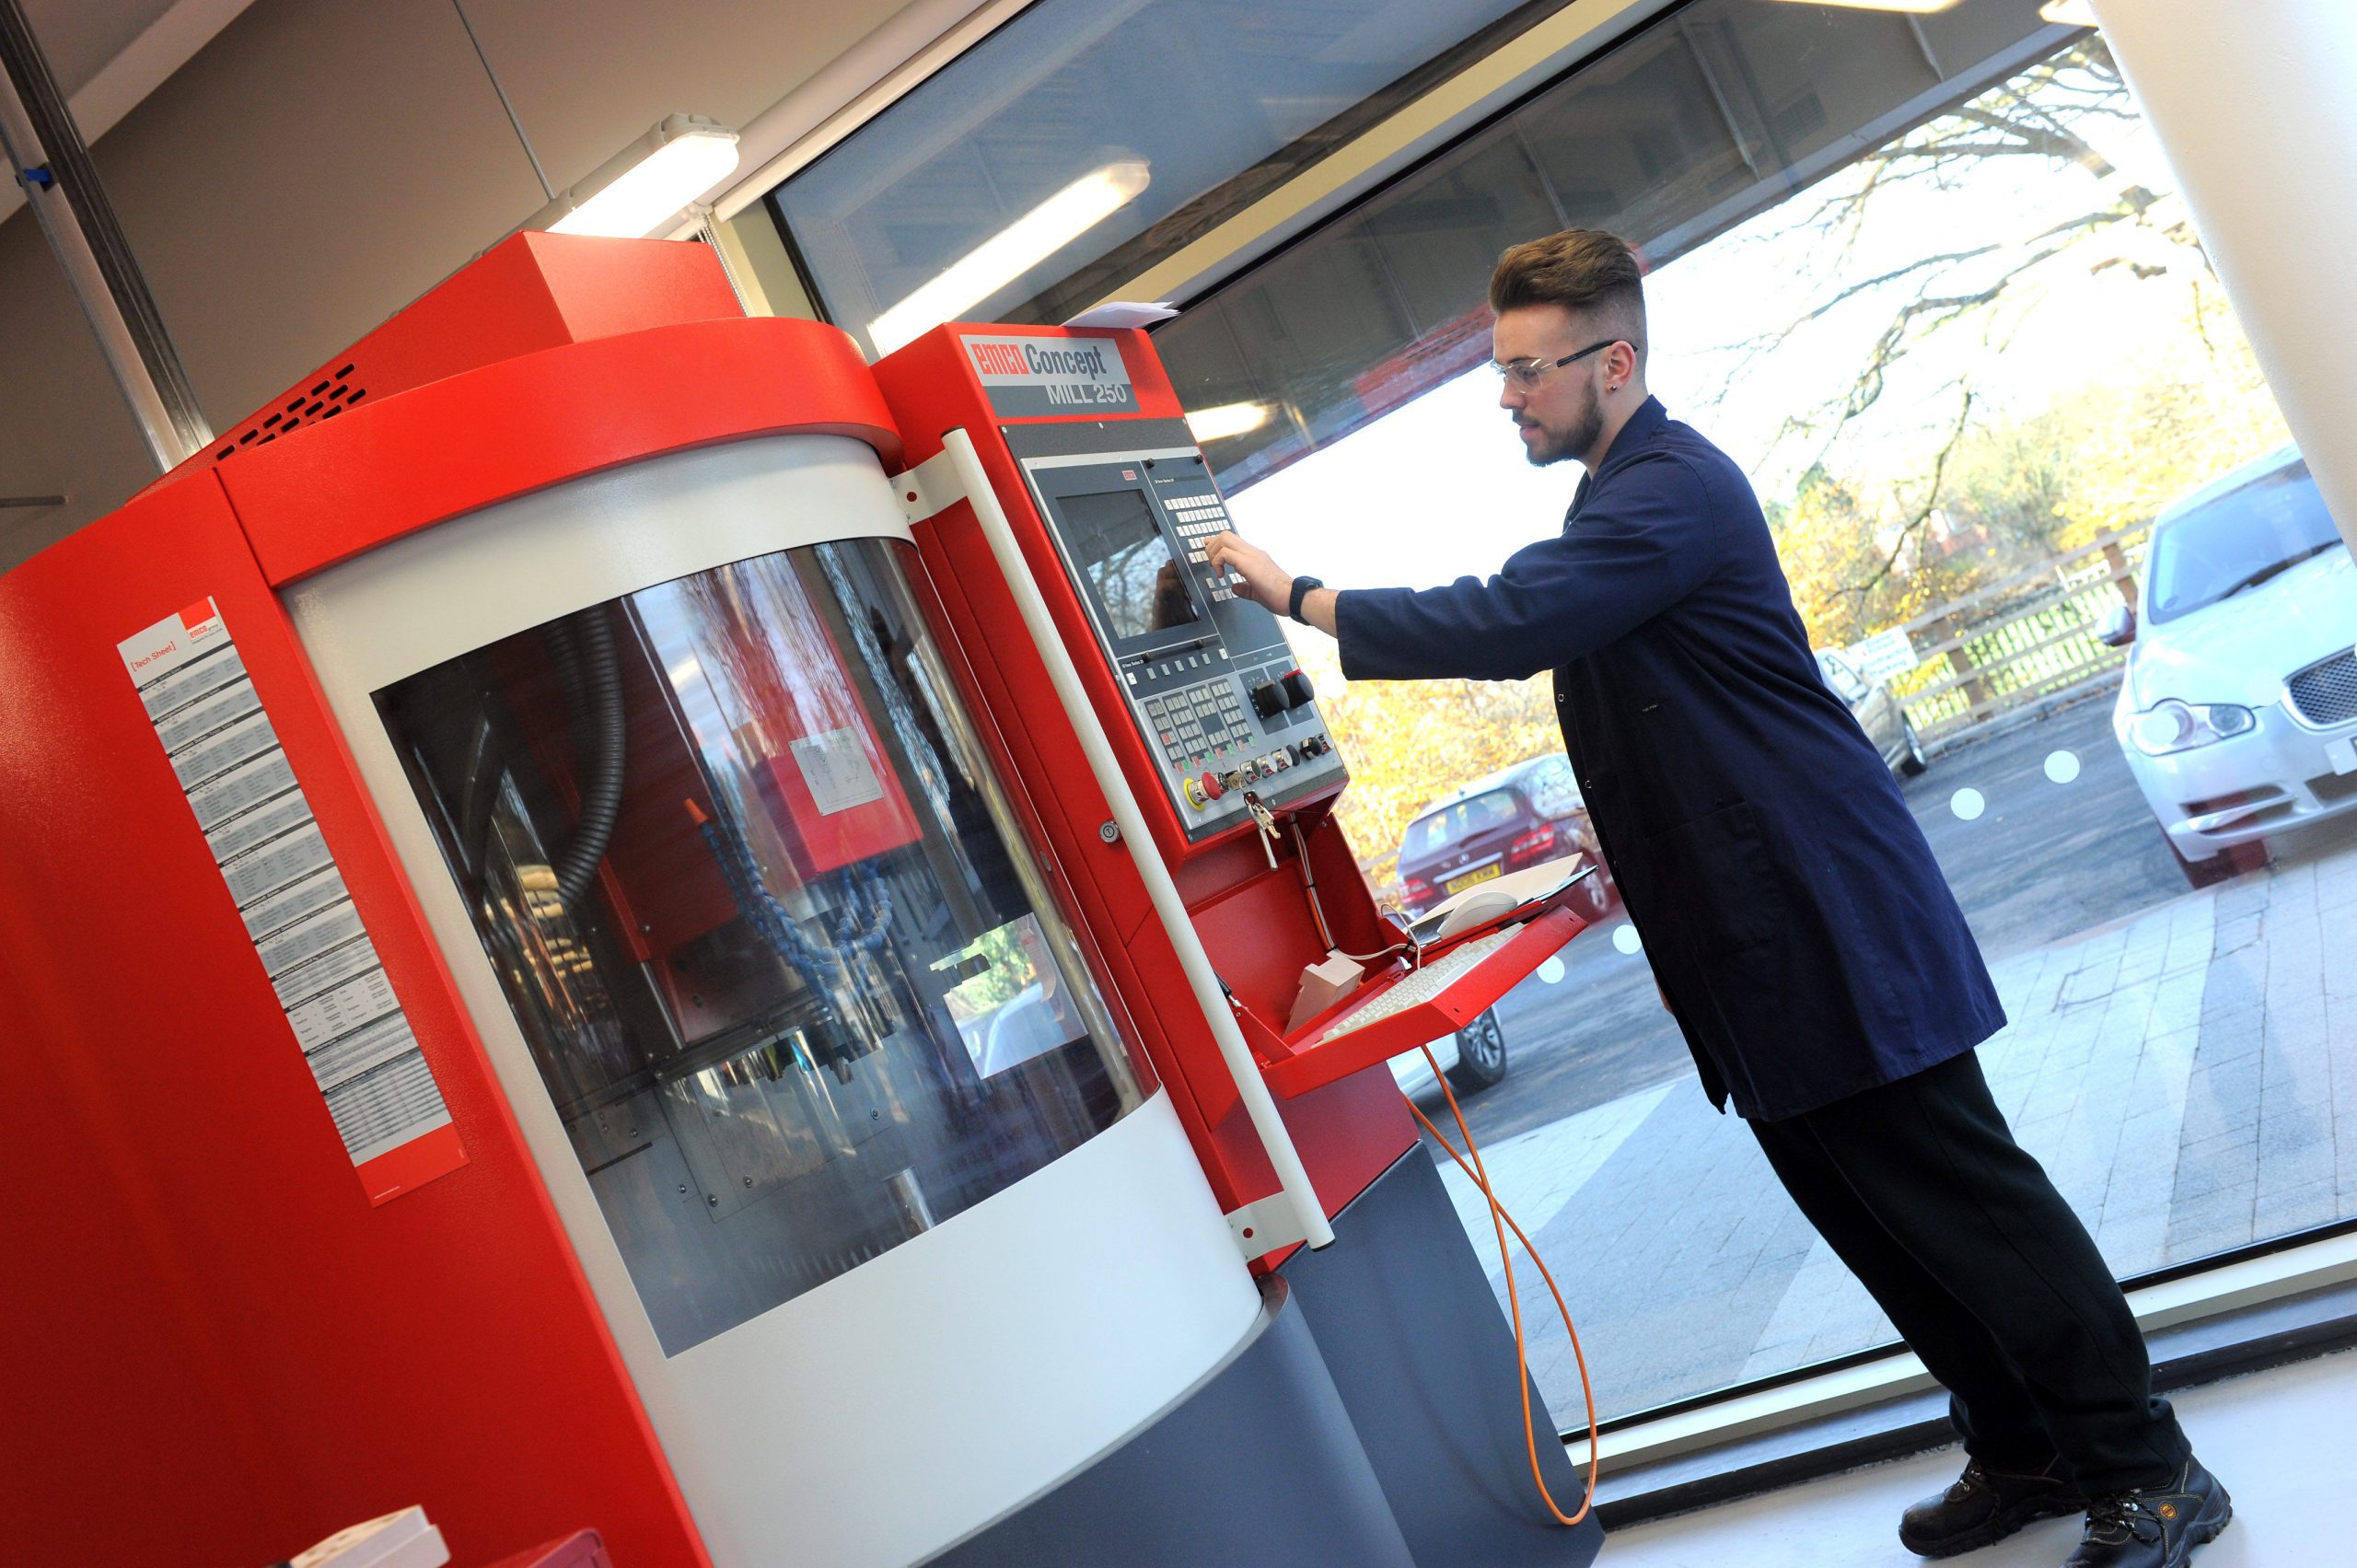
2057 112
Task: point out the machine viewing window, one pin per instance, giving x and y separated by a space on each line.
1112 535
790 977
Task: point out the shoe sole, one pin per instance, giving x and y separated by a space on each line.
1997 1530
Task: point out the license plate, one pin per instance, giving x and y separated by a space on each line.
2341 754
1459 883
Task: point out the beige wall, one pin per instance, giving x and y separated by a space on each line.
321 163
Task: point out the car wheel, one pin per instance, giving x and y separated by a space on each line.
1914 763
1480 1054
2210 870
1594 900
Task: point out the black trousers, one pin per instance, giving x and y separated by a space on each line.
1960 1237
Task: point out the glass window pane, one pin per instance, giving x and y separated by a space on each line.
791 978
1695 122
1988 392
1082 140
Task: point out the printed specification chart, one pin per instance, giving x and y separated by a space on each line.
296 906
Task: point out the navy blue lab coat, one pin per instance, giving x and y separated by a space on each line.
1806 938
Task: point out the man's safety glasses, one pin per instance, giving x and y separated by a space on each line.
1528 373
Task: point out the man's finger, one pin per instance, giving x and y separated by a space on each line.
1228 553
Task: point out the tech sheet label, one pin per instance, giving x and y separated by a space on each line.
296 910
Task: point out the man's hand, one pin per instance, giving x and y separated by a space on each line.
1266 583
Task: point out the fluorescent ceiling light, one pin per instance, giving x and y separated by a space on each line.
1915 7
1227 419
2070 12
640 190
1012 252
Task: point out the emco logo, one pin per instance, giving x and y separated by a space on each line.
1039 359
999 359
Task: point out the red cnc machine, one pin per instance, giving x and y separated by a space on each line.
569 947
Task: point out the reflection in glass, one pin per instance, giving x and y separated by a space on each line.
791 980
1717 109
1220 98
1011 1004
1128 561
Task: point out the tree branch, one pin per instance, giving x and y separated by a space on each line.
1922 514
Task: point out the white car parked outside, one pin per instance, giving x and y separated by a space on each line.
2238 711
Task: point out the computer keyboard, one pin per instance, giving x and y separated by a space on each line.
1423 984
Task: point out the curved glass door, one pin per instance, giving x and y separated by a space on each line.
790 976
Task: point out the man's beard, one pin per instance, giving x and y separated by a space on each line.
1575 442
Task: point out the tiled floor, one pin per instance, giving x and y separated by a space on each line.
2279 1440
2188 1077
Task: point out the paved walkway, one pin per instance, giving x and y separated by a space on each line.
2187 1075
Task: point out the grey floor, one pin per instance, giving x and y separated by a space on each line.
2279 1440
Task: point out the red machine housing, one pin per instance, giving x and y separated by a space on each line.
1255 920
280 1359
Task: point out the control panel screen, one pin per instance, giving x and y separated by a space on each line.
1113 538
1213 688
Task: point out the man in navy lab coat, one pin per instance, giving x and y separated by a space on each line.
1800 930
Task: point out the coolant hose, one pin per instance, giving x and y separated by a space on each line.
601 733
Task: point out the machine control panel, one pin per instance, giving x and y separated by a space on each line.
1210 682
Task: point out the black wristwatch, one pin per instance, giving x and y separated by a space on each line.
1301 586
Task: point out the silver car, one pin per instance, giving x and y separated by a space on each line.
1878 712
2238 710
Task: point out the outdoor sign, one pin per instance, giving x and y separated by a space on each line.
1886 656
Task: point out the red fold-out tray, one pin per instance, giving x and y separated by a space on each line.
1383 1018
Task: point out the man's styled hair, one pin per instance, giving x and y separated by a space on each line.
1580 269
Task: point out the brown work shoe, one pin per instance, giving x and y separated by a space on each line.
1986 1505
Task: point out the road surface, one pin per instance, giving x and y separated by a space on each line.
2043 861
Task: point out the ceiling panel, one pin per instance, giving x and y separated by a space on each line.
80 37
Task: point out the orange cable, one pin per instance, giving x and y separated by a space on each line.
1500 1220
